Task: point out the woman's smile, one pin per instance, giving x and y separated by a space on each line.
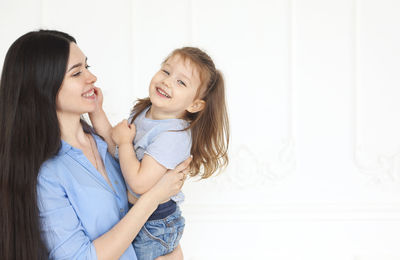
90 94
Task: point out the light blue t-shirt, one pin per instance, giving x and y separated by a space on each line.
163 140
77 205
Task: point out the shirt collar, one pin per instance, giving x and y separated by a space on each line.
65 147
142 116
101 146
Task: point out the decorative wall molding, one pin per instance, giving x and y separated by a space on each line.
377 165
288 212
378 169
285 256
377 256
248 170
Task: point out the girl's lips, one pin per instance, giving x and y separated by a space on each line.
162 93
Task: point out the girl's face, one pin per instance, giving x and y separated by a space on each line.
76 95
173 89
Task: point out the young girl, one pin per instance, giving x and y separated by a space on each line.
185 114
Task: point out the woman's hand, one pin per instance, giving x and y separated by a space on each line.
123 133
171 182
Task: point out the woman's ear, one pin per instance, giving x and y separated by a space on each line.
196 106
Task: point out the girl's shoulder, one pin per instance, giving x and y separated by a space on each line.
140 116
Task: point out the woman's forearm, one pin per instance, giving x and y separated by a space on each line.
103 128
113 244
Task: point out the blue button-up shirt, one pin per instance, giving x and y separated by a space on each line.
77 205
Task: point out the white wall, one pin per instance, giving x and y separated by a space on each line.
313 95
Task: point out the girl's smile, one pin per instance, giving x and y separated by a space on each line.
162 93
174 88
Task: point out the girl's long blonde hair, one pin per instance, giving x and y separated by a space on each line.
210 126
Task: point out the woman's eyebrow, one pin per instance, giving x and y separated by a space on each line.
77 65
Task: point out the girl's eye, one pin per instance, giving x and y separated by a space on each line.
166 72
87 66
181 83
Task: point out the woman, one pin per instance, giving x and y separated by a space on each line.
62 195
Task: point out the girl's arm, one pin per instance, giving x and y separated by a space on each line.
100 122
112 244
140 176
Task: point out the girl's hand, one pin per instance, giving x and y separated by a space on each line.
171 182
123 133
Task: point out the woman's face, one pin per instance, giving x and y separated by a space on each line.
77 95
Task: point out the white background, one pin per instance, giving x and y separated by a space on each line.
313 97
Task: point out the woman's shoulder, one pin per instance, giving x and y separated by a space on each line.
50 168
56 164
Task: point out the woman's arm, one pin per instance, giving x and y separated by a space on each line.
100 122
112 244
63 230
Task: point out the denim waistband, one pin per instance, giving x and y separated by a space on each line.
163 210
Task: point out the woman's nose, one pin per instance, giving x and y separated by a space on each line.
91 77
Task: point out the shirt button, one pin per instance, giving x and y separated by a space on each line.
116 182
121 210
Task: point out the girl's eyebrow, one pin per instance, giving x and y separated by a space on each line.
181 74
187 78
76 65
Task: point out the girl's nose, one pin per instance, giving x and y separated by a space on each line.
167 81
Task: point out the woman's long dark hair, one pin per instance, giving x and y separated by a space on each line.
33 72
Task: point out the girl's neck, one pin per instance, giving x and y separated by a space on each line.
71 130
157 114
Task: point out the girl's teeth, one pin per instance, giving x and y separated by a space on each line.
162 93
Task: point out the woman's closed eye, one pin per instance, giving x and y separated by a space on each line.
166 72
76 74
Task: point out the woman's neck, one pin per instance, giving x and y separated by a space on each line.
71 130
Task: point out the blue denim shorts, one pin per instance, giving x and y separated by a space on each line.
159 237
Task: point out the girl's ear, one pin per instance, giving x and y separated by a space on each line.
196 106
